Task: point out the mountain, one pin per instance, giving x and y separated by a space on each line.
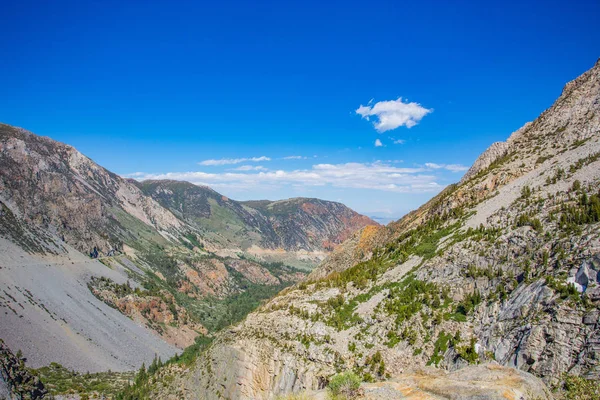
502 267
53 186
299 231
103 273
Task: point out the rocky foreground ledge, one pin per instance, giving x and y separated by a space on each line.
487 381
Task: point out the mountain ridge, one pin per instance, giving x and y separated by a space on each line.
300 224
500 267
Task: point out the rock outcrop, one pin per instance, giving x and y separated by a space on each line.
490 382
15 381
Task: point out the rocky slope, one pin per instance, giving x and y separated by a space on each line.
48 312
159 311
52 186
502 266
301 228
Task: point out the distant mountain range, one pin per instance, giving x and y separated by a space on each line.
304 228
382 220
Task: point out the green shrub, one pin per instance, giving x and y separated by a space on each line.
468 353
294 396
578 388
440 346
541 159
526 220
344 385
410 296
584 161
469 303
376 364
585 211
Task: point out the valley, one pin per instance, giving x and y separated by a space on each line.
162 289
498 269
305 200
101 273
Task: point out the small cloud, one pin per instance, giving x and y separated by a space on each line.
399 141
433 165
378 143
449 167
250 168
134 175
392 114
294 158
456 167
229 161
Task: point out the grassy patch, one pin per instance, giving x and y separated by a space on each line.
60 381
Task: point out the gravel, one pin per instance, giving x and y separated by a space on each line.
57 319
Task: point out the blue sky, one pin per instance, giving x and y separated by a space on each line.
158 88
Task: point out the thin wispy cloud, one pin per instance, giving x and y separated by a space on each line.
294 158
378 175
449 167
134 175
249 168
392 114
398 141
230 161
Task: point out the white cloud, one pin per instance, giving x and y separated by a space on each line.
392 114
249 168
229 161
295 158
373 176
449 167
398 141
433 165
378 143
456 167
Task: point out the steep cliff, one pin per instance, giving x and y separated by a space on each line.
503 266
